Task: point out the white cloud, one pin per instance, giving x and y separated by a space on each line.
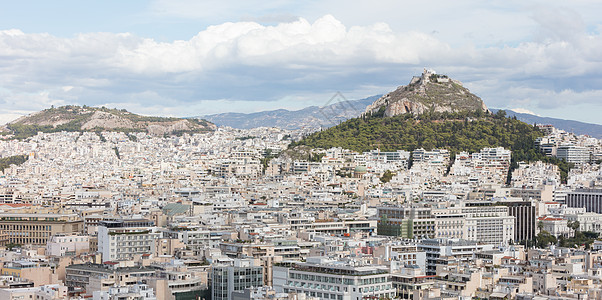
238 62
326 42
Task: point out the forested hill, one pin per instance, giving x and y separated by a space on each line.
455 132
462 131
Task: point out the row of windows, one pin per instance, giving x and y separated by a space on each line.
337 280
340 297
132 237
24 227
317 294
316 278
24 241
28 234
134 249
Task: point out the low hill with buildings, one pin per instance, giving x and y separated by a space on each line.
84 118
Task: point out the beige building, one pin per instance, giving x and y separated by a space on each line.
36 229
32 271
46 292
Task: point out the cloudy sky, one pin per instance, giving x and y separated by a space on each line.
189 57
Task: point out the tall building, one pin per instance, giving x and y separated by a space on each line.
488 224
237 276
591 199
525 219
450 223
123 239
476 221
327 278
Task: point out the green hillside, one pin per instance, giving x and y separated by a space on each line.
461 131
6 162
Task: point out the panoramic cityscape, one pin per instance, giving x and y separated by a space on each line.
300 151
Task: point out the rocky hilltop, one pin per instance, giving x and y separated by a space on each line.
76 118
430 92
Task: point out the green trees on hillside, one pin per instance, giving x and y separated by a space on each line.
429 131
458 131
5 162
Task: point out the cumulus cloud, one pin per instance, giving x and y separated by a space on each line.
238 62
299 44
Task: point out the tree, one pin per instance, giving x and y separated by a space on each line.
544 239
574 225
387 176
500 114
11 246
6 162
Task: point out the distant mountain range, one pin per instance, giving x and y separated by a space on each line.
593 130
333 114
337 110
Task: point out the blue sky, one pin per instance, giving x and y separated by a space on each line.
188 58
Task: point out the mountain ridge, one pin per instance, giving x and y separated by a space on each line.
576 127
85 118
315 117
282 117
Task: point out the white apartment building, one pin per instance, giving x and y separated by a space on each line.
67 244
124 239
435 155
198 239
489 224
494 154
137 291
573 154
45 292
450 223
327 279
482 223
439 250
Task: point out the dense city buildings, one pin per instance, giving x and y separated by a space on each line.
221 215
